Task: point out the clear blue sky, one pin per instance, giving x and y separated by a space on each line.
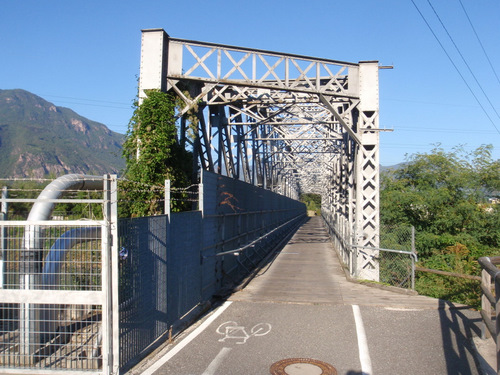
85 55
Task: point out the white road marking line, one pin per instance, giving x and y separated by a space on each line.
401 309
214 365
364 355
176 349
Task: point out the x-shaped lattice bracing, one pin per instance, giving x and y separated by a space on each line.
297 122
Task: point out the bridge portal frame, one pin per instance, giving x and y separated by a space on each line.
290 123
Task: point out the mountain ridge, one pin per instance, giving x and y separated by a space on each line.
38 139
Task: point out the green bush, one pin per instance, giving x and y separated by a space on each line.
444 195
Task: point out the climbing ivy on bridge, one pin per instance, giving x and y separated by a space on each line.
153 154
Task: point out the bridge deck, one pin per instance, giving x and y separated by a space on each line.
301 306
307 270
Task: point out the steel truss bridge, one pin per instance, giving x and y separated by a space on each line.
289 123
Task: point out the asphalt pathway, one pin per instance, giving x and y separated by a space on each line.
300 316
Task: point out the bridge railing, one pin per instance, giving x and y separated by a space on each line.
246 239
170 266
339 232
490 297
396 267
396 258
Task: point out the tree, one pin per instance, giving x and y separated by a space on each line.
441 192
444 195
153 154
312 202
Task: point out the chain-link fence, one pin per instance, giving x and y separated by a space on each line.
397 237
397 266
394 267
397 256
393 261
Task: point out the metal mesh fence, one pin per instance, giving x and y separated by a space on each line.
397 238
75 344
51 295
56 256
60 279
394 260
393 267
397 269
170 264
142 284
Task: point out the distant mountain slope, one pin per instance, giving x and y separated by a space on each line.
392 167
37 139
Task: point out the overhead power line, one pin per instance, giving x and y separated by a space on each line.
463 59
455 66
85 99
95 105
442 130
479 40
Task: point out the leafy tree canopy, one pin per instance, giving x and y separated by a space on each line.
444 195
153 155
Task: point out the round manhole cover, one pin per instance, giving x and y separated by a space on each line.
302 366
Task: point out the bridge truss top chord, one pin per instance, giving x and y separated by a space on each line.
293 124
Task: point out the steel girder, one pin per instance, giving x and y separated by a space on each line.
290 123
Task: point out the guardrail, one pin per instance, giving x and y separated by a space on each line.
490 280
396 267
450 274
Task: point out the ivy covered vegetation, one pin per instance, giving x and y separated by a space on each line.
153 155
450 198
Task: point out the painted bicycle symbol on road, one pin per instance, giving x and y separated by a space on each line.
232 330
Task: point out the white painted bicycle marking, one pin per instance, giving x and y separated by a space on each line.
232 330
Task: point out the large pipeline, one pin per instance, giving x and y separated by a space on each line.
42 209
31 258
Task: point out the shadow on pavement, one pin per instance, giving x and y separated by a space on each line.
458 326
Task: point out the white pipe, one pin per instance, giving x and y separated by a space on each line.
42 210
31 334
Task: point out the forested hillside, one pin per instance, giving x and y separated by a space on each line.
38 139
451 198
